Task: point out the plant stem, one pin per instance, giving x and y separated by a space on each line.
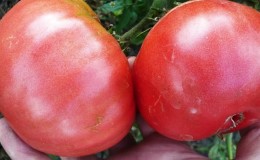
155 10
229 143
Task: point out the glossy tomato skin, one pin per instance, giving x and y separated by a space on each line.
65 85
198 71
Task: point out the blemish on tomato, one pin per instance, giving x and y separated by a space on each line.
11 41
198 101
231 123
157 101
98 122
162 107
186 137
193 111
176 105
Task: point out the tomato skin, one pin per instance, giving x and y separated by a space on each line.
198 70
65 85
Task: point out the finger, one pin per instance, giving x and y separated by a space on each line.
131 61
245 131
80 158
249 145
15 147
144 127
158 147
129 140
126 142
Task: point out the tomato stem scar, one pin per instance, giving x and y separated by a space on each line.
230 123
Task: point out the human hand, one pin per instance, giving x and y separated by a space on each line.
153 147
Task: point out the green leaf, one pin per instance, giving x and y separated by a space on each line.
125 20
213 152
128 2
116 7
136 133
52 157
103 154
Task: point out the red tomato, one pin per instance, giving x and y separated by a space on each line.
198 71
65 85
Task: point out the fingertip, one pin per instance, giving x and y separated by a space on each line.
252 127
144 127
131 61
249 145
15 147
80 158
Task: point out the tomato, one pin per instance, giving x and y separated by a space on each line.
65 85
198 71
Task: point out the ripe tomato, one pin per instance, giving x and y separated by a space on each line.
65 85
198 71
